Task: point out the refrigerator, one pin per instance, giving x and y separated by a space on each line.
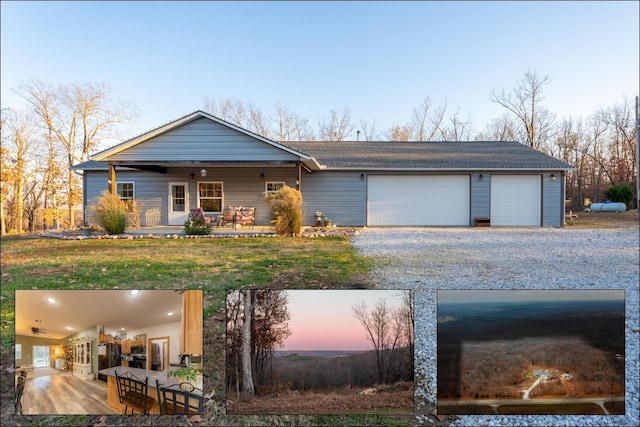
156 360
108 357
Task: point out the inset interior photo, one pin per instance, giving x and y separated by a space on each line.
533 352
83 351
319 352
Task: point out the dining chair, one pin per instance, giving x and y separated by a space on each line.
22 380
180 399
134 393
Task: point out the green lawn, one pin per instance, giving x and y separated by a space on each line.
215 265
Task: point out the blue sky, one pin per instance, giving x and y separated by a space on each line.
323 319
380 59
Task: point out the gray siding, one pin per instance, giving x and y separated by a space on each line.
203 140
241 186
480 196
341 196
552 200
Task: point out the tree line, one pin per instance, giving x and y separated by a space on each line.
64 124
502 368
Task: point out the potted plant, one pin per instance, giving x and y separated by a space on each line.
190 374
327 222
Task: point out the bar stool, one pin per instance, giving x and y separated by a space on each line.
134 393
180 399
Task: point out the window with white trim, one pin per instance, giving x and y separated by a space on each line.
271 187
126 190
18 351
210 196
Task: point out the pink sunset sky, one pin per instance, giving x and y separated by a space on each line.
323 319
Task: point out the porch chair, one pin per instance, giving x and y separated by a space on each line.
198 213
180 399
134 393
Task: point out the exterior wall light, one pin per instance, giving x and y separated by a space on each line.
552 177
361 175
203 172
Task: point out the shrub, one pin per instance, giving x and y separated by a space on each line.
110 212
286 211
196 226
620 193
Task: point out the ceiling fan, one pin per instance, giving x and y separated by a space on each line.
36 331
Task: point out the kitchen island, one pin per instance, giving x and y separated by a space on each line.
112 386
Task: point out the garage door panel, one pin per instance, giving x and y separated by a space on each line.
418 200
515 200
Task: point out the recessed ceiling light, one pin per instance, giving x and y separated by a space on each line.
51 300
69 328
122 329
134 292
170 313
38 321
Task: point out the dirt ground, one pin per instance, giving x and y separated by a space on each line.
608 220
396 399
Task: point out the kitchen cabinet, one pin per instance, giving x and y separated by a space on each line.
126 345
82 359
191 323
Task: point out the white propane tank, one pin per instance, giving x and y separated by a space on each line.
608 207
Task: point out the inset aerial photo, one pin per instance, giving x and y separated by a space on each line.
531 352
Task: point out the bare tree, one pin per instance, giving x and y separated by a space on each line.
21 147
426 121
247 374
399 133
384 331
263 329
524 102
290 126
502 128
337 127
369 130
79 116
458 130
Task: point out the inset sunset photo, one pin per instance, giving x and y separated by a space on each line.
533 352
319 352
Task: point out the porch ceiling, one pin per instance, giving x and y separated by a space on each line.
146 165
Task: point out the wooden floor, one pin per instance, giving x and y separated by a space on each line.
65 394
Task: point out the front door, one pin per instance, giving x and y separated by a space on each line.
178 203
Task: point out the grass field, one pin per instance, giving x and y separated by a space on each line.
214 265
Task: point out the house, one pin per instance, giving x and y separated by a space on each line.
202 161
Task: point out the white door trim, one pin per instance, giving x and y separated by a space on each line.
179 216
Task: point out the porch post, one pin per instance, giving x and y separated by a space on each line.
112 179
299 176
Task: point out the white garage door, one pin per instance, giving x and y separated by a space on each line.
418 200
515 200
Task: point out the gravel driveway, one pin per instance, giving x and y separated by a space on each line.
427 259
